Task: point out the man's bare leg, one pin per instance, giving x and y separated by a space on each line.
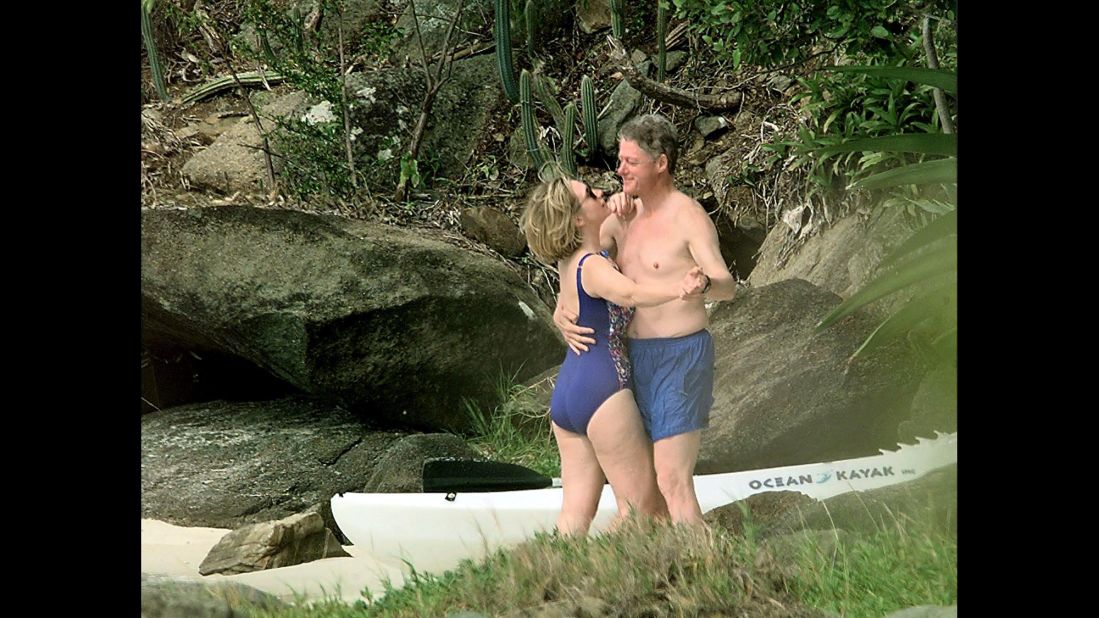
674 459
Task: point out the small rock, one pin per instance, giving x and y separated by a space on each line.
595 15
268 545
673 60
711 126
495 229
779 83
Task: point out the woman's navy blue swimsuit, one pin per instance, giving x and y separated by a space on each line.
586 380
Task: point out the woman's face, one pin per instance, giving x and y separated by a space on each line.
592 205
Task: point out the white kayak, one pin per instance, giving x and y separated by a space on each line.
435 531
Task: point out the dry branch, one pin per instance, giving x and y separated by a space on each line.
665 93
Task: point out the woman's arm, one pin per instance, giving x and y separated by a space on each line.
602 280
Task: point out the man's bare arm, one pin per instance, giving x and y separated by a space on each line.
576 337
703 244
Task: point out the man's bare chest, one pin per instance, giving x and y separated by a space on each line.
647 249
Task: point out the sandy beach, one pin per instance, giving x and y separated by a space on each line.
178 551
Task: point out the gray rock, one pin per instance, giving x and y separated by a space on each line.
495 229
434 18
355 16
517 149
840 258
400 469
388 105
171 597
214 125
223 465
384 109
711 126
745 122
394 323
624 100
673 60
934 406
784 394
779 82
594 15
269 545
757 511
553 18
235 161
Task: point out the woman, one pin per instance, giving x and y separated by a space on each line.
593 412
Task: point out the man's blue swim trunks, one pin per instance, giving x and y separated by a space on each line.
587 380
673 382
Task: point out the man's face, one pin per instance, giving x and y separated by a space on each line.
636 167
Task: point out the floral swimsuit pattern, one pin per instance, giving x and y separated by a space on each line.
620 321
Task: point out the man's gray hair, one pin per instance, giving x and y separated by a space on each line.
654 134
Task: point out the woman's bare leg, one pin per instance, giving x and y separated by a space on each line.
581 481
625 454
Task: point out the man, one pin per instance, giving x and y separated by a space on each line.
657 236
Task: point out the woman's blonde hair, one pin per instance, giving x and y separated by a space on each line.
547 221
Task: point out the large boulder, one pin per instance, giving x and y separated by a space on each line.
785 395
400 469
839 258
934 407
391 322
224 465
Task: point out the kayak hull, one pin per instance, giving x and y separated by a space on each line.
432 532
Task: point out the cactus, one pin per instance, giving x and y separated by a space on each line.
547 94
568 161
150 49
587 99
528 13
534 148
265 43
299 29
661 28
616 18
503 50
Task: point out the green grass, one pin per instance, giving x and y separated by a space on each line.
657 569
517 430
910 563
